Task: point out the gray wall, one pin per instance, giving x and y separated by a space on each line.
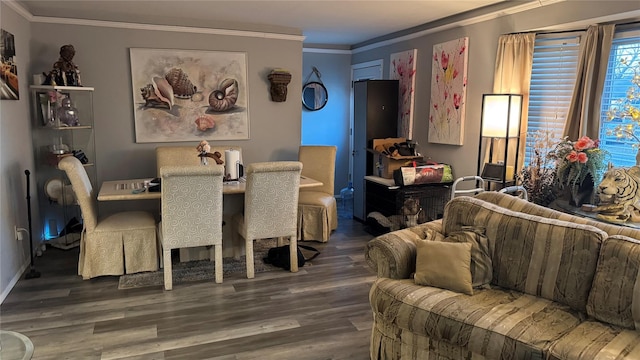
482 54
330 125
15 142
102 55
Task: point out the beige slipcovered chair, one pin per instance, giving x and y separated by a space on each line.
121 243
317 208
186 155
191 213
270 207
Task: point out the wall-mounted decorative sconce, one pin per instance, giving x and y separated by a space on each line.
279 79
500 119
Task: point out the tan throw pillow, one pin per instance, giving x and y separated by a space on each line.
481 265
444 265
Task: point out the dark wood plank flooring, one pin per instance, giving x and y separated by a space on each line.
321 312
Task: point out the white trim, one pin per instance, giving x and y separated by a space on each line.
19 9
13 281
586 22
466 22
327 51
379 62
135 26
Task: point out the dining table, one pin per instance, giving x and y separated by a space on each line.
138 189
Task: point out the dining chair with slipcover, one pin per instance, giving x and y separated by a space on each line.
317 208
191 213
182 156
121 243
270 208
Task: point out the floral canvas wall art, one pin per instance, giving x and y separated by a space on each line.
189 95
403 68
448 92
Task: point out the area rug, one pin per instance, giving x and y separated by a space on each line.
199 270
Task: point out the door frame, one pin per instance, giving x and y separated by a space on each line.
355 68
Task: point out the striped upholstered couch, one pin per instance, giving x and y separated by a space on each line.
561 287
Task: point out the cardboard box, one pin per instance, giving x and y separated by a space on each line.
383 165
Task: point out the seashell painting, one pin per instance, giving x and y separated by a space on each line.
225 96
189 95
205 122
179 81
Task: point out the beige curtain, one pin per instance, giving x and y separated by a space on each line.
583 117
512 75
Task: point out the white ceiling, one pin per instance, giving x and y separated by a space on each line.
345 22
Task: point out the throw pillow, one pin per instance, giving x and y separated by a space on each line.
481 265
444 265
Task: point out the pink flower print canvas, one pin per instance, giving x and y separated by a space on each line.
403 68
448 92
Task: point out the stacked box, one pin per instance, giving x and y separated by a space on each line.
384 165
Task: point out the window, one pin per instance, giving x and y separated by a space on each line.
626 46
553 75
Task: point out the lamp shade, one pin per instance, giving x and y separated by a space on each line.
501 115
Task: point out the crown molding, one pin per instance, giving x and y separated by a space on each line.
326 51
134 26
456 24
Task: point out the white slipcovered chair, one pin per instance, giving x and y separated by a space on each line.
121 243
191 213
270 207
317 208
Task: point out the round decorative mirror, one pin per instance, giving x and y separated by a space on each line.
314 96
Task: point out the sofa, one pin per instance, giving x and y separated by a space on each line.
501 278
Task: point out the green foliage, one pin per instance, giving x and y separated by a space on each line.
577 159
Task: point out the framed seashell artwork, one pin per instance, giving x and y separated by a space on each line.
189 95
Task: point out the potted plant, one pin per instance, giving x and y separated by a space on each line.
579 164
538 177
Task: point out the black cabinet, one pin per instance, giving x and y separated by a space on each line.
375 113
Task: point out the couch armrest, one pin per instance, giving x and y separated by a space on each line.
393 255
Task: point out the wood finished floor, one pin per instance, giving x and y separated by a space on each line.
321 312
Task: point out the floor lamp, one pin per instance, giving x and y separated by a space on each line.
500 119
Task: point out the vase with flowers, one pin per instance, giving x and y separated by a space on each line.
579 164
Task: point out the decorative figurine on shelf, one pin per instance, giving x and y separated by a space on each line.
279 79
64 71
204 152
67 115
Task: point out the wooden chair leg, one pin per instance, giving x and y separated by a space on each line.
280 241
168 277
293 253
218 262
249 257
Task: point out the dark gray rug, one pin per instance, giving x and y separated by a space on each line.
199 270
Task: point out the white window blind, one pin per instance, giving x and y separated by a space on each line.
626 45
555 59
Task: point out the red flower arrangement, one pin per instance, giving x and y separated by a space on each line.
575 160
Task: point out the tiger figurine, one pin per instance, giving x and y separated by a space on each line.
619 194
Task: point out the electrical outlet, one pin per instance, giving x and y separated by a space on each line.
18 232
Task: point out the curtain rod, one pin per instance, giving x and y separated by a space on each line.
572 30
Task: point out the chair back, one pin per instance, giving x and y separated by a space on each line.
191 205
82 189
186 155
271 199
320 164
